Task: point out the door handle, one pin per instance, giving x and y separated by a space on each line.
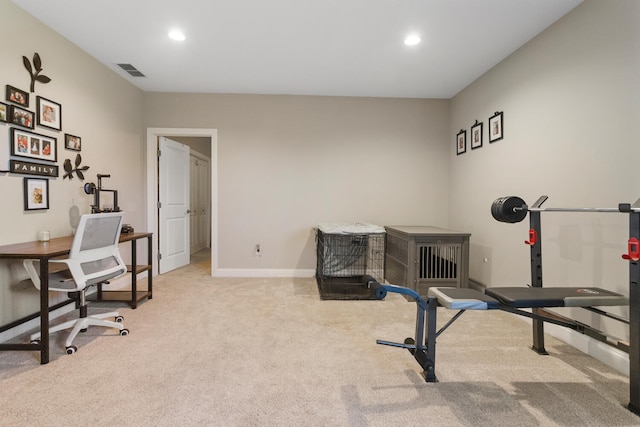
188 210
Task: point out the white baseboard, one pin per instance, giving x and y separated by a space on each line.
232 272
610 356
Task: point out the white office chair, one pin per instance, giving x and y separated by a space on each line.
94 258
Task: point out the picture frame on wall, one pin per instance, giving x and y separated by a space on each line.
476 135
21 117
4 112
461 141
496 125
33 145
36 194
72 142
49 113
17 96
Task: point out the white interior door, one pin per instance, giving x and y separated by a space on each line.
174 215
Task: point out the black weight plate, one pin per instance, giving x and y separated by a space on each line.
512 216
502 209
496 209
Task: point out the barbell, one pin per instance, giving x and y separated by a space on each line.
512 209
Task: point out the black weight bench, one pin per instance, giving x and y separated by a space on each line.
511 299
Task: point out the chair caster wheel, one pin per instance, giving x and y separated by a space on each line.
119 319
72 349
124 332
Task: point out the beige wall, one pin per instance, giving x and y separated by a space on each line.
287 163
97 105
571 102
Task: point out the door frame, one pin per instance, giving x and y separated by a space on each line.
152 185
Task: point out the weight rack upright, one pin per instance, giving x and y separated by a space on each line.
513 209
634 310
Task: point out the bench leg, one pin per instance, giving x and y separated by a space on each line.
425 351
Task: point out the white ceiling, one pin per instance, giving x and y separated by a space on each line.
301 47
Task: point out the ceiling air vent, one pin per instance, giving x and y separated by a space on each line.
131 70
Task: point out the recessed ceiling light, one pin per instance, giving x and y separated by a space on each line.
412 40
177 35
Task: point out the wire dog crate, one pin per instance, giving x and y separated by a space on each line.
346 253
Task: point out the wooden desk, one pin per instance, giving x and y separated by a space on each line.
61 246
135 295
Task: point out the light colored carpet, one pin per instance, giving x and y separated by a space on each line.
269 352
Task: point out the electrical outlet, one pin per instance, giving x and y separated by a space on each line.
258 250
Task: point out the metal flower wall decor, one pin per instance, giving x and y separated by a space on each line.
69 169
34 70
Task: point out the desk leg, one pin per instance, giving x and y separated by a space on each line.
134 274
150 264
44 311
